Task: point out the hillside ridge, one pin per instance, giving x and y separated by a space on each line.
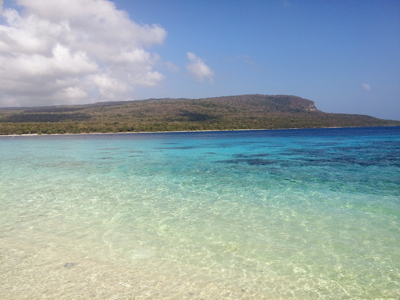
250 111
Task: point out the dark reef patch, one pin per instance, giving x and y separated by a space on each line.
241 155
249 161
177 148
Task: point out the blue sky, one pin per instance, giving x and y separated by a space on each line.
344 55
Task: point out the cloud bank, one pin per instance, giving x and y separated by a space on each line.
198 69
74 51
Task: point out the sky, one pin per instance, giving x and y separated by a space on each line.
343 55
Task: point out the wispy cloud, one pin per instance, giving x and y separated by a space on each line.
366 87
198 69
74 51
286 3
247 60
171 67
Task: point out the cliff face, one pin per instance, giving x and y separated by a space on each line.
266 103
311 107
220 113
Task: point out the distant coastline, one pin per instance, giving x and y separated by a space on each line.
188 131
243 112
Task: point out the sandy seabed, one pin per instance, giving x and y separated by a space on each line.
39 272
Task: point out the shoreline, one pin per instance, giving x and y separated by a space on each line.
182 131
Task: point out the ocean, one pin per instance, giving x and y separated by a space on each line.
263 214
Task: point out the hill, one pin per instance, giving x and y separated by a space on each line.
221 113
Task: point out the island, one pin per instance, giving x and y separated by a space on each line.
155 115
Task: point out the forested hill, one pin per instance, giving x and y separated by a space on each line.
221 113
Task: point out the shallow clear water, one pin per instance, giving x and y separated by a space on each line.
280 214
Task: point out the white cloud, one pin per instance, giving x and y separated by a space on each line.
74 51
198 69
366 87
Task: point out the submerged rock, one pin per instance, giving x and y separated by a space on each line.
69 265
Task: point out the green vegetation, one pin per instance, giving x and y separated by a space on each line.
222 113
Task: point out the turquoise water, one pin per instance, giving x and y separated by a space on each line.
285 214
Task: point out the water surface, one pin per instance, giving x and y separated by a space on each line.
285 214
